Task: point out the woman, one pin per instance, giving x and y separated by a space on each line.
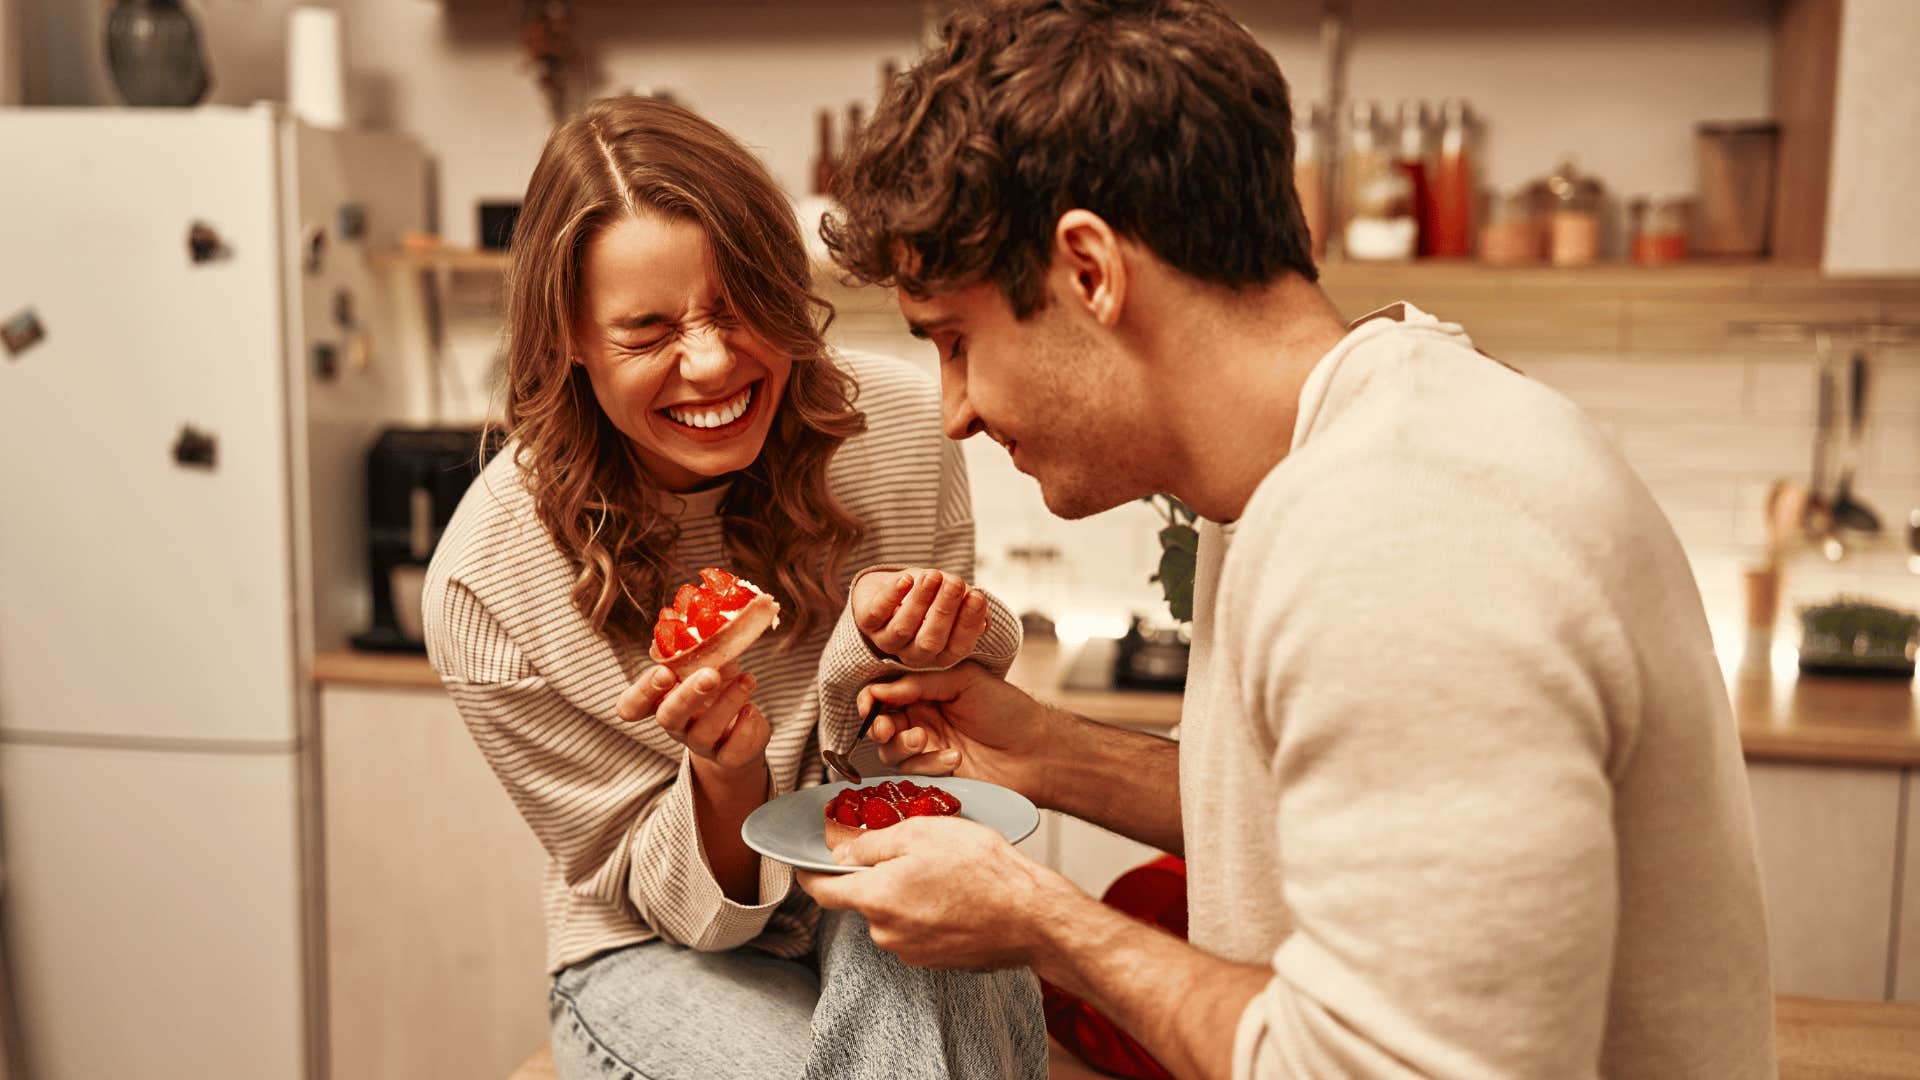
671 406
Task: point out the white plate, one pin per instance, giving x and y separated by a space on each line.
792 828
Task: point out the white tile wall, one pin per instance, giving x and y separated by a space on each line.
1709 431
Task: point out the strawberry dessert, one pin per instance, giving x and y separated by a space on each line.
857 810
712 623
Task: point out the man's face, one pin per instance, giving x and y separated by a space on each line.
1053 389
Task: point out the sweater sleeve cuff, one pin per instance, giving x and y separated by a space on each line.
713 921
851 661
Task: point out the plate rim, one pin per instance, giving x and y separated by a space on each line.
842 785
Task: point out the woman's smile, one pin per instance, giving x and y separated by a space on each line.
714 420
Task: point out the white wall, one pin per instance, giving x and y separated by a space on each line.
1873 220
1618 83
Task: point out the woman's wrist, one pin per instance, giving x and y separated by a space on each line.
733 785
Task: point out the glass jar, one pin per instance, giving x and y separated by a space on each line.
1367 157
1510 235
1573 218
1659 224
1383 227
1310 144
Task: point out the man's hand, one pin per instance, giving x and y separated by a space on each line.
710 713
946 893
922 618
1001 735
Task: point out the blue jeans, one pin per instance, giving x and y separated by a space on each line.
657 1011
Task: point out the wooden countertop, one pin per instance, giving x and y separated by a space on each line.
1782 716
1822 1039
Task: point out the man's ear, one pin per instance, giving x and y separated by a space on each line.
1087 253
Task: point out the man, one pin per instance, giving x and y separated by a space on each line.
1457 782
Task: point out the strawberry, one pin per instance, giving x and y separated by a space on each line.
685 597
736 598
704 614
922 806
847 813
683 639
944 800
889 791
909 789
663 630
719 581
878 814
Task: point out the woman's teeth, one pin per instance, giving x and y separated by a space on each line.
712 416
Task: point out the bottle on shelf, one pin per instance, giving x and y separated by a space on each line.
856 119
1310 144
823 153
1412 152
1446 226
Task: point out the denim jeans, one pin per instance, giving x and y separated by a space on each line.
658 1011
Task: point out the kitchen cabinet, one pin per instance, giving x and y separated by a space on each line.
1828 858
1906 930
435 940
1873 221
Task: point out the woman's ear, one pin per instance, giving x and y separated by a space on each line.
1087 252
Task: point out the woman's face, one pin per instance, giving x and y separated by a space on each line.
673 367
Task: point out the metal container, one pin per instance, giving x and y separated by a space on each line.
1734 167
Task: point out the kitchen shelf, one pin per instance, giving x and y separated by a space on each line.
458 259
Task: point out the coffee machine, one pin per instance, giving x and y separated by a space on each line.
415 478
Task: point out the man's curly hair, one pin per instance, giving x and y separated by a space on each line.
1164 117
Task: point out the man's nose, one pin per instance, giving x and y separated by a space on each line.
956 411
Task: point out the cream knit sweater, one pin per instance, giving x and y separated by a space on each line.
1456 757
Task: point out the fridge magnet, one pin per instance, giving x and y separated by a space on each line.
343 309
204 244
21 332
313 248
326 361
350 221
194 448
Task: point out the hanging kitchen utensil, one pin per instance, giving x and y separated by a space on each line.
1817 522
1913 541
1849 512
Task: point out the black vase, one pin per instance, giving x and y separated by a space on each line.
153 50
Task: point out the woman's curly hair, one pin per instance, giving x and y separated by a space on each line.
1164 117
782 524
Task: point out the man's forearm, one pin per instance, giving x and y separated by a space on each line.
1182 1004
1125 781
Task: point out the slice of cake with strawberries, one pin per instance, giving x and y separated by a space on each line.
855 811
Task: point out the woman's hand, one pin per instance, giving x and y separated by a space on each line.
921 617
710 713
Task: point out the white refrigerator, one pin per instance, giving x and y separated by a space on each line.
197 353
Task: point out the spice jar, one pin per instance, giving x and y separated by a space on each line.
1659 229
1510 235
1573 218
1366 159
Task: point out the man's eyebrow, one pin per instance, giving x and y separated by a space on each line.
923 330
637 322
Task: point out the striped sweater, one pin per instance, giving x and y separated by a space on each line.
611 802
